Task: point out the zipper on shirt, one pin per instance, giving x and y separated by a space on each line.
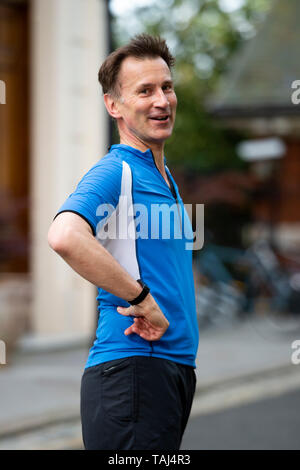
174 194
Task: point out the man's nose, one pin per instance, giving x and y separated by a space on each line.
160 99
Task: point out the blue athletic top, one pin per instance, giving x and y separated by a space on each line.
143 223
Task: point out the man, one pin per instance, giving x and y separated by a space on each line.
139 380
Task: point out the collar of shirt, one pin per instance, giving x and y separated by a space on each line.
147 155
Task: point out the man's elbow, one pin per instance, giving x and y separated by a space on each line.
58 240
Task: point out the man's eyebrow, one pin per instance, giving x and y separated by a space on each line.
145 85
168 82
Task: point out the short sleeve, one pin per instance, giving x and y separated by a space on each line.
101 185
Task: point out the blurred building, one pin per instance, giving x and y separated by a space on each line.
258 95
52 129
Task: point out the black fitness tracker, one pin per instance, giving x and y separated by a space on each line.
142 295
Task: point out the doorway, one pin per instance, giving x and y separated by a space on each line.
14 138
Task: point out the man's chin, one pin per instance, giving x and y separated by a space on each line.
161 136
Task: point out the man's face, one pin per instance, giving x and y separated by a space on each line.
148 102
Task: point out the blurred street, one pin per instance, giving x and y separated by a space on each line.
246 382
268 424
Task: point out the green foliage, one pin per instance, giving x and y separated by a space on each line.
197 142
203 35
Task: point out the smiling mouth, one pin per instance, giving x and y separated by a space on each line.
160 118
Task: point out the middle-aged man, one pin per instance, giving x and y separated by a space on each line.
139 381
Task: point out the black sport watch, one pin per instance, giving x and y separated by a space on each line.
142 295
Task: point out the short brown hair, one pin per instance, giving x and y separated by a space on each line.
141 46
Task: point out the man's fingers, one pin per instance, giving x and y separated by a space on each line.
136 327
133 328
128 331
144 330
148 330
126 310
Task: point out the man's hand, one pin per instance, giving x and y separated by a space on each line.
150 323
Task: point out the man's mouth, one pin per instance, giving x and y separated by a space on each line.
160 118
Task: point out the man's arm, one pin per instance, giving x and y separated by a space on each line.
71 237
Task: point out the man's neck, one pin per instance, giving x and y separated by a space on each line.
157 151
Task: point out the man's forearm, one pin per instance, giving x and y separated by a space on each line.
93 262
72 239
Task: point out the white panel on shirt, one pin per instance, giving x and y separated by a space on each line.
121 222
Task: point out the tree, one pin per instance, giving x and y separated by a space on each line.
203 35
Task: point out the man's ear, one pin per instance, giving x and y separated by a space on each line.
111 104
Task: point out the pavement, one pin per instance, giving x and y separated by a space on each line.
265 424
237 362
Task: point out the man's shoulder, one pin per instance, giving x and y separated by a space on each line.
105 173
111 162
112 157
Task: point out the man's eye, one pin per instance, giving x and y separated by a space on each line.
145 91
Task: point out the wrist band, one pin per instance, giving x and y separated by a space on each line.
142 295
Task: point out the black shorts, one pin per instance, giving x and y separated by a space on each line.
136 403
